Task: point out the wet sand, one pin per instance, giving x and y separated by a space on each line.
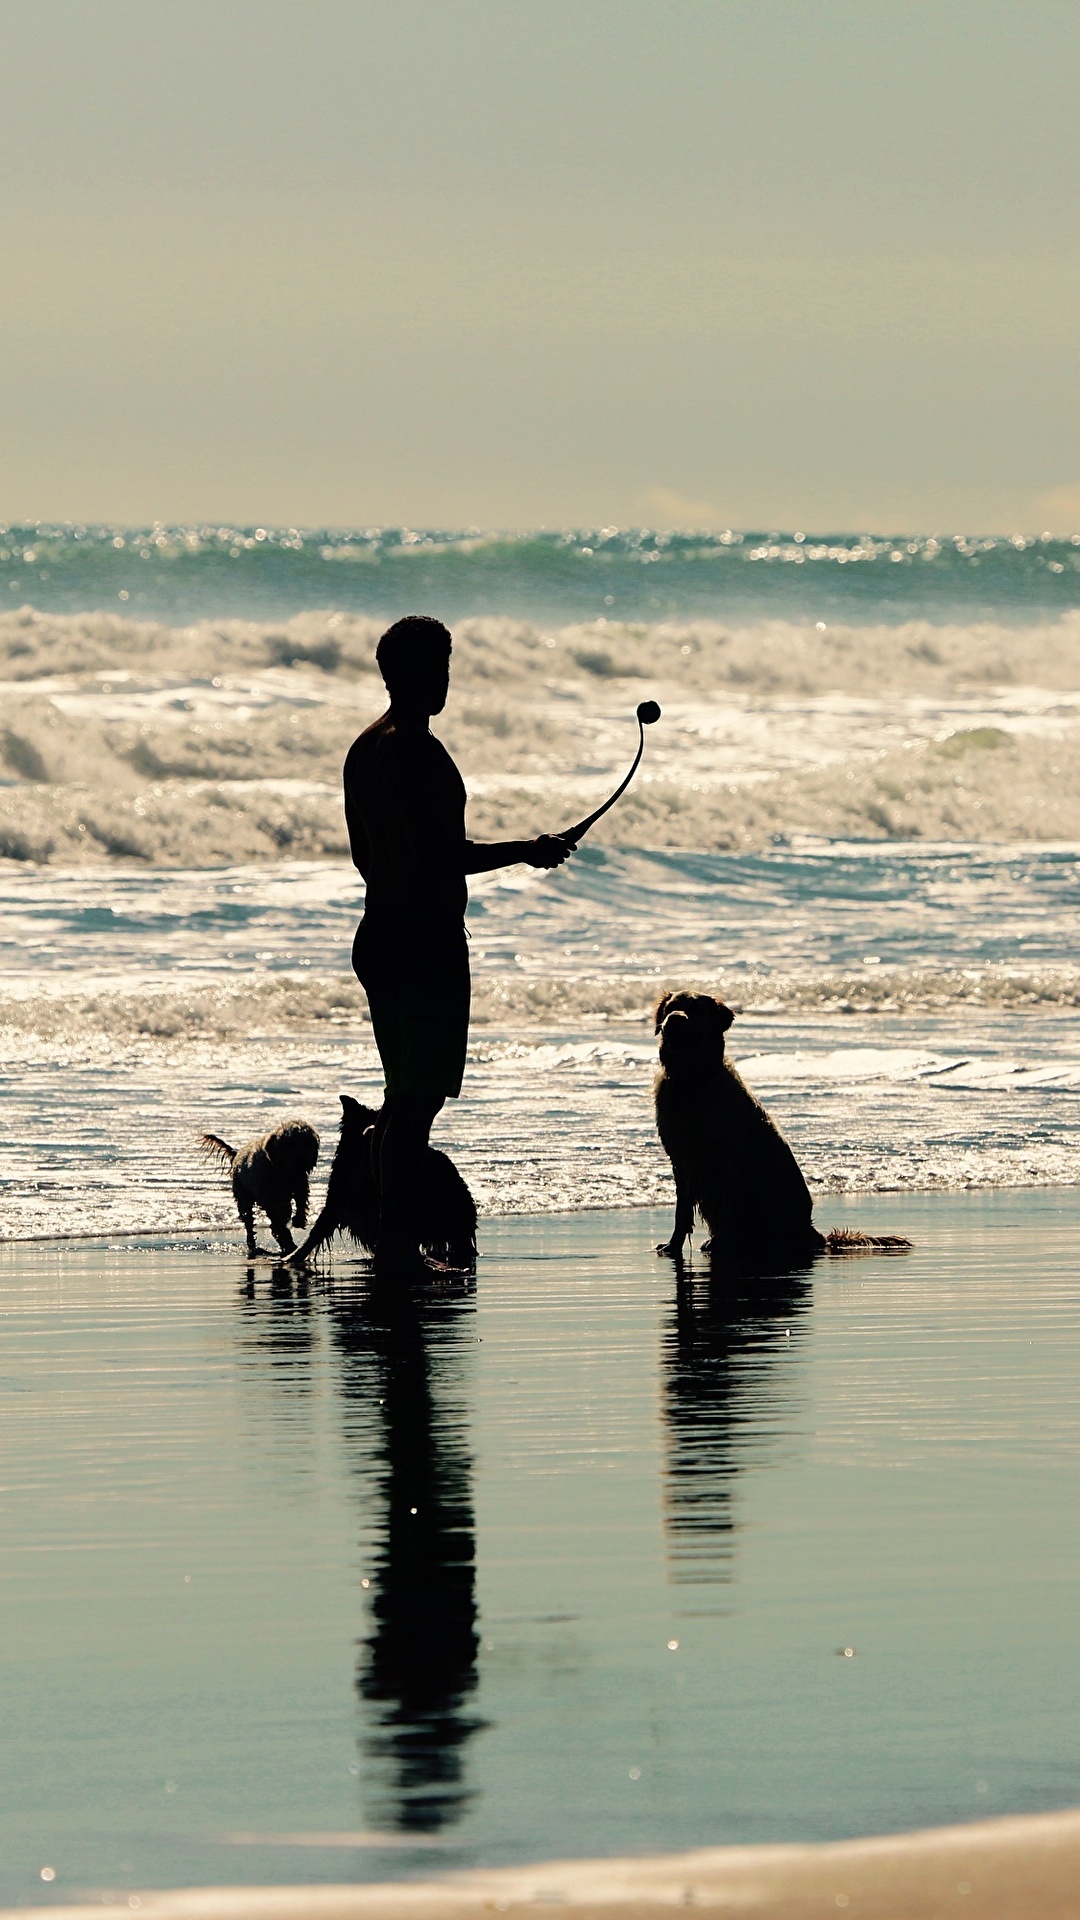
762 1575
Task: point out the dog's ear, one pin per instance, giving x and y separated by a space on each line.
726 1016
662 1006
348 1104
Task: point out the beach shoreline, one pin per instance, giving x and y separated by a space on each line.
220 1239
1002 1869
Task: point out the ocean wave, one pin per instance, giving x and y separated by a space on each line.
820 923
189 572
140 1009
881 879
127 741
937 792
703 653
259 1007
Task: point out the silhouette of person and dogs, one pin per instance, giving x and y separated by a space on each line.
404 1350
396 1195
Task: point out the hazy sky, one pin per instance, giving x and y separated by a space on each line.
807 263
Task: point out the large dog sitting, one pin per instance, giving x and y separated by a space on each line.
730 1160
271 1173
444 1212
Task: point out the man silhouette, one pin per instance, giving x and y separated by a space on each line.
405 812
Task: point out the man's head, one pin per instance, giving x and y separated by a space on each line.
414 660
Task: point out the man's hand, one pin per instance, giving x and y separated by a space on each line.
548 850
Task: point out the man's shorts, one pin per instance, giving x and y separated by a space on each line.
418 994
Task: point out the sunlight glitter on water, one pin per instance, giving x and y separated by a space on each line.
144 1009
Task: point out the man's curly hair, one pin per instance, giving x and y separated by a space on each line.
411 645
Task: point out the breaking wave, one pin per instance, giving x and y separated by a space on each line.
865 836
179 573
256 1008
134 742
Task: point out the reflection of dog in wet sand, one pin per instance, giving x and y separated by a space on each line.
271 1173
443 1213
730 1160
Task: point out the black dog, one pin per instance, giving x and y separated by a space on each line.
271 1173
444 1212
730 1160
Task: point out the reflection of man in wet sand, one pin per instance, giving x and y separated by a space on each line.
405 811
405 1381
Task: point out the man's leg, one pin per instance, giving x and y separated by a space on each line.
401 1138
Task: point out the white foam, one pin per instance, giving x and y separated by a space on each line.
865 841
133 741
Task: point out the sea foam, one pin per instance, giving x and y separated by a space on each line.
135 742
863 836
907 1011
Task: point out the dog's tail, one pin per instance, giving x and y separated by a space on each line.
850 1240
217 1149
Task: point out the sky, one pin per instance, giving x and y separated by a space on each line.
506 263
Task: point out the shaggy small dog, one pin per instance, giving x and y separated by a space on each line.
444 1212
271 1173
730 1160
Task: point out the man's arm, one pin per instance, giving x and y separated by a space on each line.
548 850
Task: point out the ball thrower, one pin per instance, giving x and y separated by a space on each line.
647 714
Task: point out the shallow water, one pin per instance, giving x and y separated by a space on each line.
567 1564
820 907
907 1013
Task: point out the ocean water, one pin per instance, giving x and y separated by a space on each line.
908 1012
858 819
181 573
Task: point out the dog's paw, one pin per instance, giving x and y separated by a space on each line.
289 1263
672 1248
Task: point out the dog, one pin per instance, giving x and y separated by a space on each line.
444 1212
272 1173
730 1160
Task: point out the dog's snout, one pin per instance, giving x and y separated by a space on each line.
674 1034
